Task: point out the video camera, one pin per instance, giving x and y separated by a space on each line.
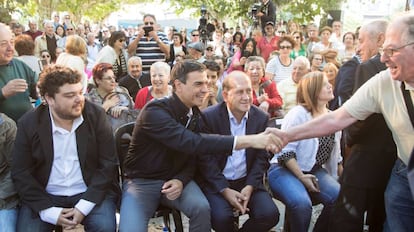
256 7
204 33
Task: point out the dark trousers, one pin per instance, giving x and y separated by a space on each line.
263 214
349 209
101 218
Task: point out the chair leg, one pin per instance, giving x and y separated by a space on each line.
166 218
236 223
177 221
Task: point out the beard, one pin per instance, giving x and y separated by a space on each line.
71 113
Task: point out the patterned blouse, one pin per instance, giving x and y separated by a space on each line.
326 145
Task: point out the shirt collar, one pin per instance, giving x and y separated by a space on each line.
76 123
233 118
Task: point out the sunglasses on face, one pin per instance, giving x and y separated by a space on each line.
69 29
45 56
149 23
209 49
285 47
121 40
195 35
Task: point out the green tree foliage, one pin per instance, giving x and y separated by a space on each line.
7 7
299 10
95 10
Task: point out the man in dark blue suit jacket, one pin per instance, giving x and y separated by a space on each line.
233 182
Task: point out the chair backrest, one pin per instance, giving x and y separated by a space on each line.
123 136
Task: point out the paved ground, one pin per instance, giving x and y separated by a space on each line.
156 224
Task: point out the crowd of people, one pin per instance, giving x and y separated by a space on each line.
203 141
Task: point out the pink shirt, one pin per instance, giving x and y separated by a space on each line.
266 48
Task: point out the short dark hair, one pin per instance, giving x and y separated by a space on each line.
180 37
55 76
212 65
182 68
116 35
149 15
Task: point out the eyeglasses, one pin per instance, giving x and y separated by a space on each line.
69 29
195 35
149 23
108 78
390 51
45 56
285 47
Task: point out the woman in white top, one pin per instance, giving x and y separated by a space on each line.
75 57
305 172
280 67
115 54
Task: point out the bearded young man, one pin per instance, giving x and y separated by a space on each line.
64 165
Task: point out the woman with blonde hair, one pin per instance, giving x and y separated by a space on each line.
330 71
304 173
75 56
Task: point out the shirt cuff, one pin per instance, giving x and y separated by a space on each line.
50 215
234 143
85 207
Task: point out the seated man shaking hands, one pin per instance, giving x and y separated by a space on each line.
233 181
160 163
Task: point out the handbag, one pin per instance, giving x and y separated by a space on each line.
129 115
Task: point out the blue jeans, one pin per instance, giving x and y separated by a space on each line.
141 197
298 201
101 218
399 203
8 219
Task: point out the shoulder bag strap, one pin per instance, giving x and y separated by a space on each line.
408 102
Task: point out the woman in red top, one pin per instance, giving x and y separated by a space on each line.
265 94
160 77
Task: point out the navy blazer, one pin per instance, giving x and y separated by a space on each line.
210 168
33 156
344 83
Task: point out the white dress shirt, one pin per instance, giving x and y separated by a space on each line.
66 175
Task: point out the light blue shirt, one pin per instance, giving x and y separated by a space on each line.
236 163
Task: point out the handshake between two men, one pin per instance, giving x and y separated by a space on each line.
273 140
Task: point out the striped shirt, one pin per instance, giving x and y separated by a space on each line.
150 52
